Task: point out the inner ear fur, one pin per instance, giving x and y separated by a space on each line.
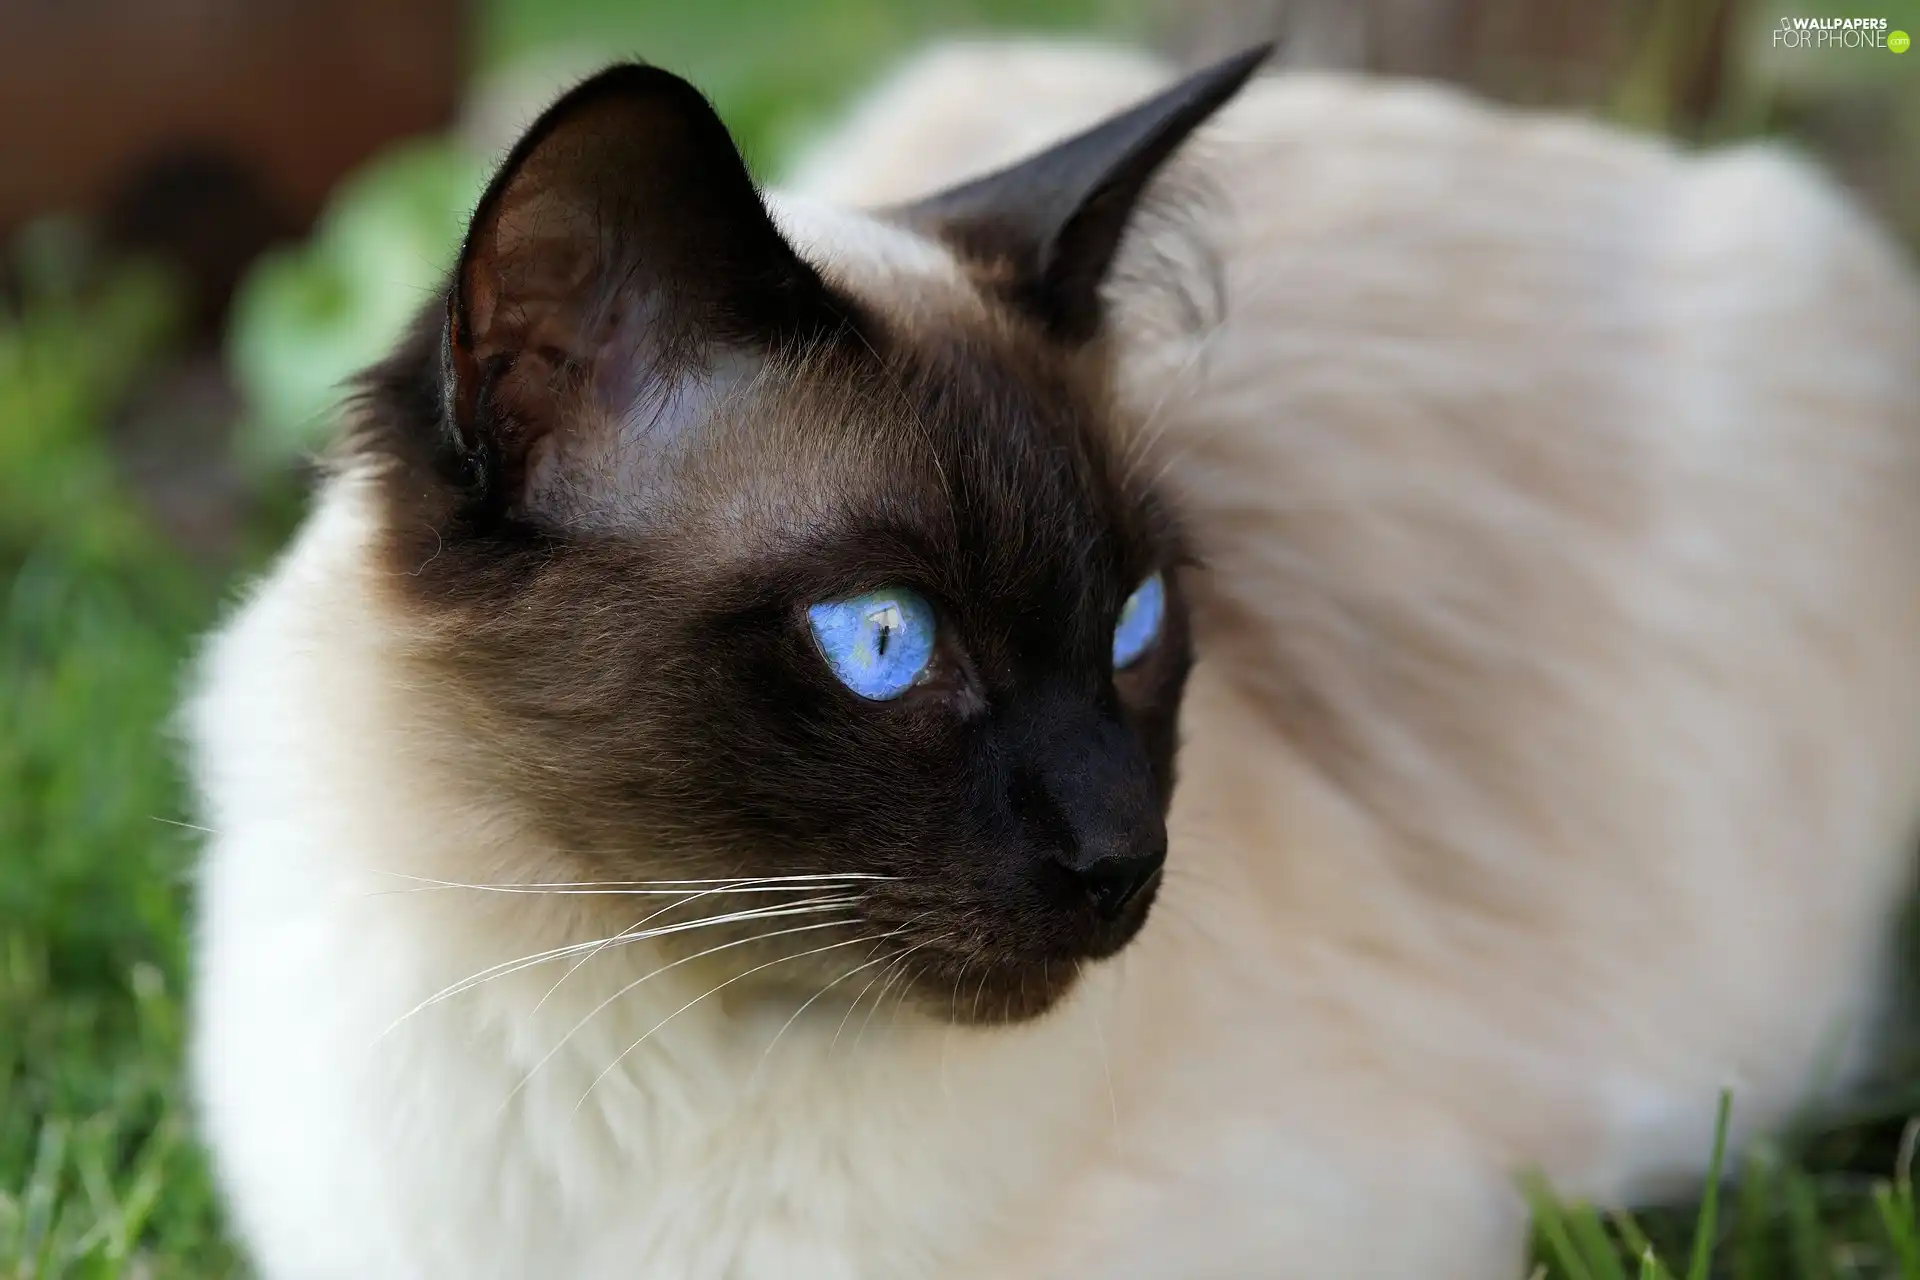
620 246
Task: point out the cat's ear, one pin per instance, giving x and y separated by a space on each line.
1051 224
618 262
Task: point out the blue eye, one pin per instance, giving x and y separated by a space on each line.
1139 624
878 644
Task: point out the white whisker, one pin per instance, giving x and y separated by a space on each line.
505 967
613 941
185 826
808 1003
1100 1035
835 1042
863 991
713 990
946 1036
758 914
980 991
672 964
640 888
899 967
906 989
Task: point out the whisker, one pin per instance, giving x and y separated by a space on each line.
980 991
906 989
737 884
1106 1062
837 1031
185 826
671 964
946 1036
899 968
576 966
808 1003
715 989
505 967
618 938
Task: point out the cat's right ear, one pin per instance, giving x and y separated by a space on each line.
1048 228
619 257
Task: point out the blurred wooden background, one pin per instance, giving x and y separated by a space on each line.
205 129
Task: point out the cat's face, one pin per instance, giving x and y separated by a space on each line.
727 566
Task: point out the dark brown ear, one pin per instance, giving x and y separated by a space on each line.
619 253
1052 223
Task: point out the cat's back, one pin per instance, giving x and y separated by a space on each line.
1296 152
1425 282
1344 205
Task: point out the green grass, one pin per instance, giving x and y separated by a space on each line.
99 1173
96 1166
1778 1219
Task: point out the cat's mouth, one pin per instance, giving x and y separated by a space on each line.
975 971
968 991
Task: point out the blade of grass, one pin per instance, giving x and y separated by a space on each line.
1896 1219
1708 1222
1752 1254
1603 1258
1806 1238
43 1187
1627 1227
149 1179
93 1158
1549 1220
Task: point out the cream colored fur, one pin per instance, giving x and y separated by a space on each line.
1553 759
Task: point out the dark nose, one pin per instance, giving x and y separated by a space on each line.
1116 883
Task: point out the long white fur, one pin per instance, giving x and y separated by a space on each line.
1576 481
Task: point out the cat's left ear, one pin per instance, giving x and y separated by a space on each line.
619 258
1050 225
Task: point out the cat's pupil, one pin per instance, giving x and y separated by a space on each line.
885 622
877 644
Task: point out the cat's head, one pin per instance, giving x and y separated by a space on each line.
806 559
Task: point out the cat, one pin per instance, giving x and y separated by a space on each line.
1279 651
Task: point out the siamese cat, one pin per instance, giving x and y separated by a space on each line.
1143 677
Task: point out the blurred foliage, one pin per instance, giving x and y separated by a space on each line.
92 885
310 316
774 69
307 318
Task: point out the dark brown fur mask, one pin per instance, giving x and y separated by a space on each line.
644 437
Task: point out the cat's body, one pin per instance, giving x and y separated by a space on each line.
1551 759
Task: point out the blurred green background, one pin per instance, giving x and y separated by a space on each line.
152 445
